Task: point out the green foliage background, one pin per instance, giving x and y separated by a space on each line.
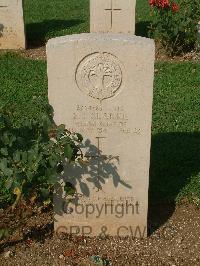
175 150
176 31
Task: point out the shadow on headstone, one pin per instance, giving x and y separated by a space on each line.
1 29
98 170
38 33
142 28
175 159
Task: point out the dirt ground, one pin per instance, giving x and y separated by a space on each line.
176 241
39 53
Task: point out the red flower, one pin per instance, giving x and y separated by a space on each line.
175 7
164 3
152 2
159 3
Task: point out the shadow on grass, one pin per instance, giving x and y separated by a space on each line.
37 33
175 158
141 28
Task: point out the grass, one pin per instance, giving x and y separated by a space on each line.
47 19
175 152
23 86
175 156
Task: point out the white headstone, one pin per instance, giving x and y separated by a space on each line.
101 85
12 34
116 16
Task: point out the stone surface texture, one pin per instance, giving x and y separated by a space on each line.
116 16
101 85
12 33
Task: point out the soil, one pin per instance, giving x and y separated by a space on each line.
35 53
38 52
176 241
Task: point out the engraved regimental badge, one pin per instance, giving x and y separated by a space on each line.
99 75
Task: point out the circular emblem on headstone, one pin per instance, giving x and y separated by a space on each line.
99 75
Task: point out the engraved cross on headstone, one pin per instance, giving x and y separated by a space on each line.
112 9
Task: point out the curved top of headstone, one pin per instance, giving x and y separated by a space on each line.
137 40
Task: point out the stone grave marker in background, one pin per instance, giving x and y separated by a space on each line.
198 38
12 33
117 16
101 85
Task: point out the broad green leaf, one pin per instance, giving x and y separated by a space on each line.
53 160
60 130
3 167
4 233
5 138
52 179
44 193
46 123
11 140
4 151
29 174
68 151
9 182
51 176
2 122
16 156
24 157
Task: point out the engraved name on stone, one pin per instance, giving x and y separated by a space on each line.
99 120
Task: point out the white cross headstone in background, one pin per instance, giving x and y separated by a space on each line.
12 33
112 10
198 37
117 16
